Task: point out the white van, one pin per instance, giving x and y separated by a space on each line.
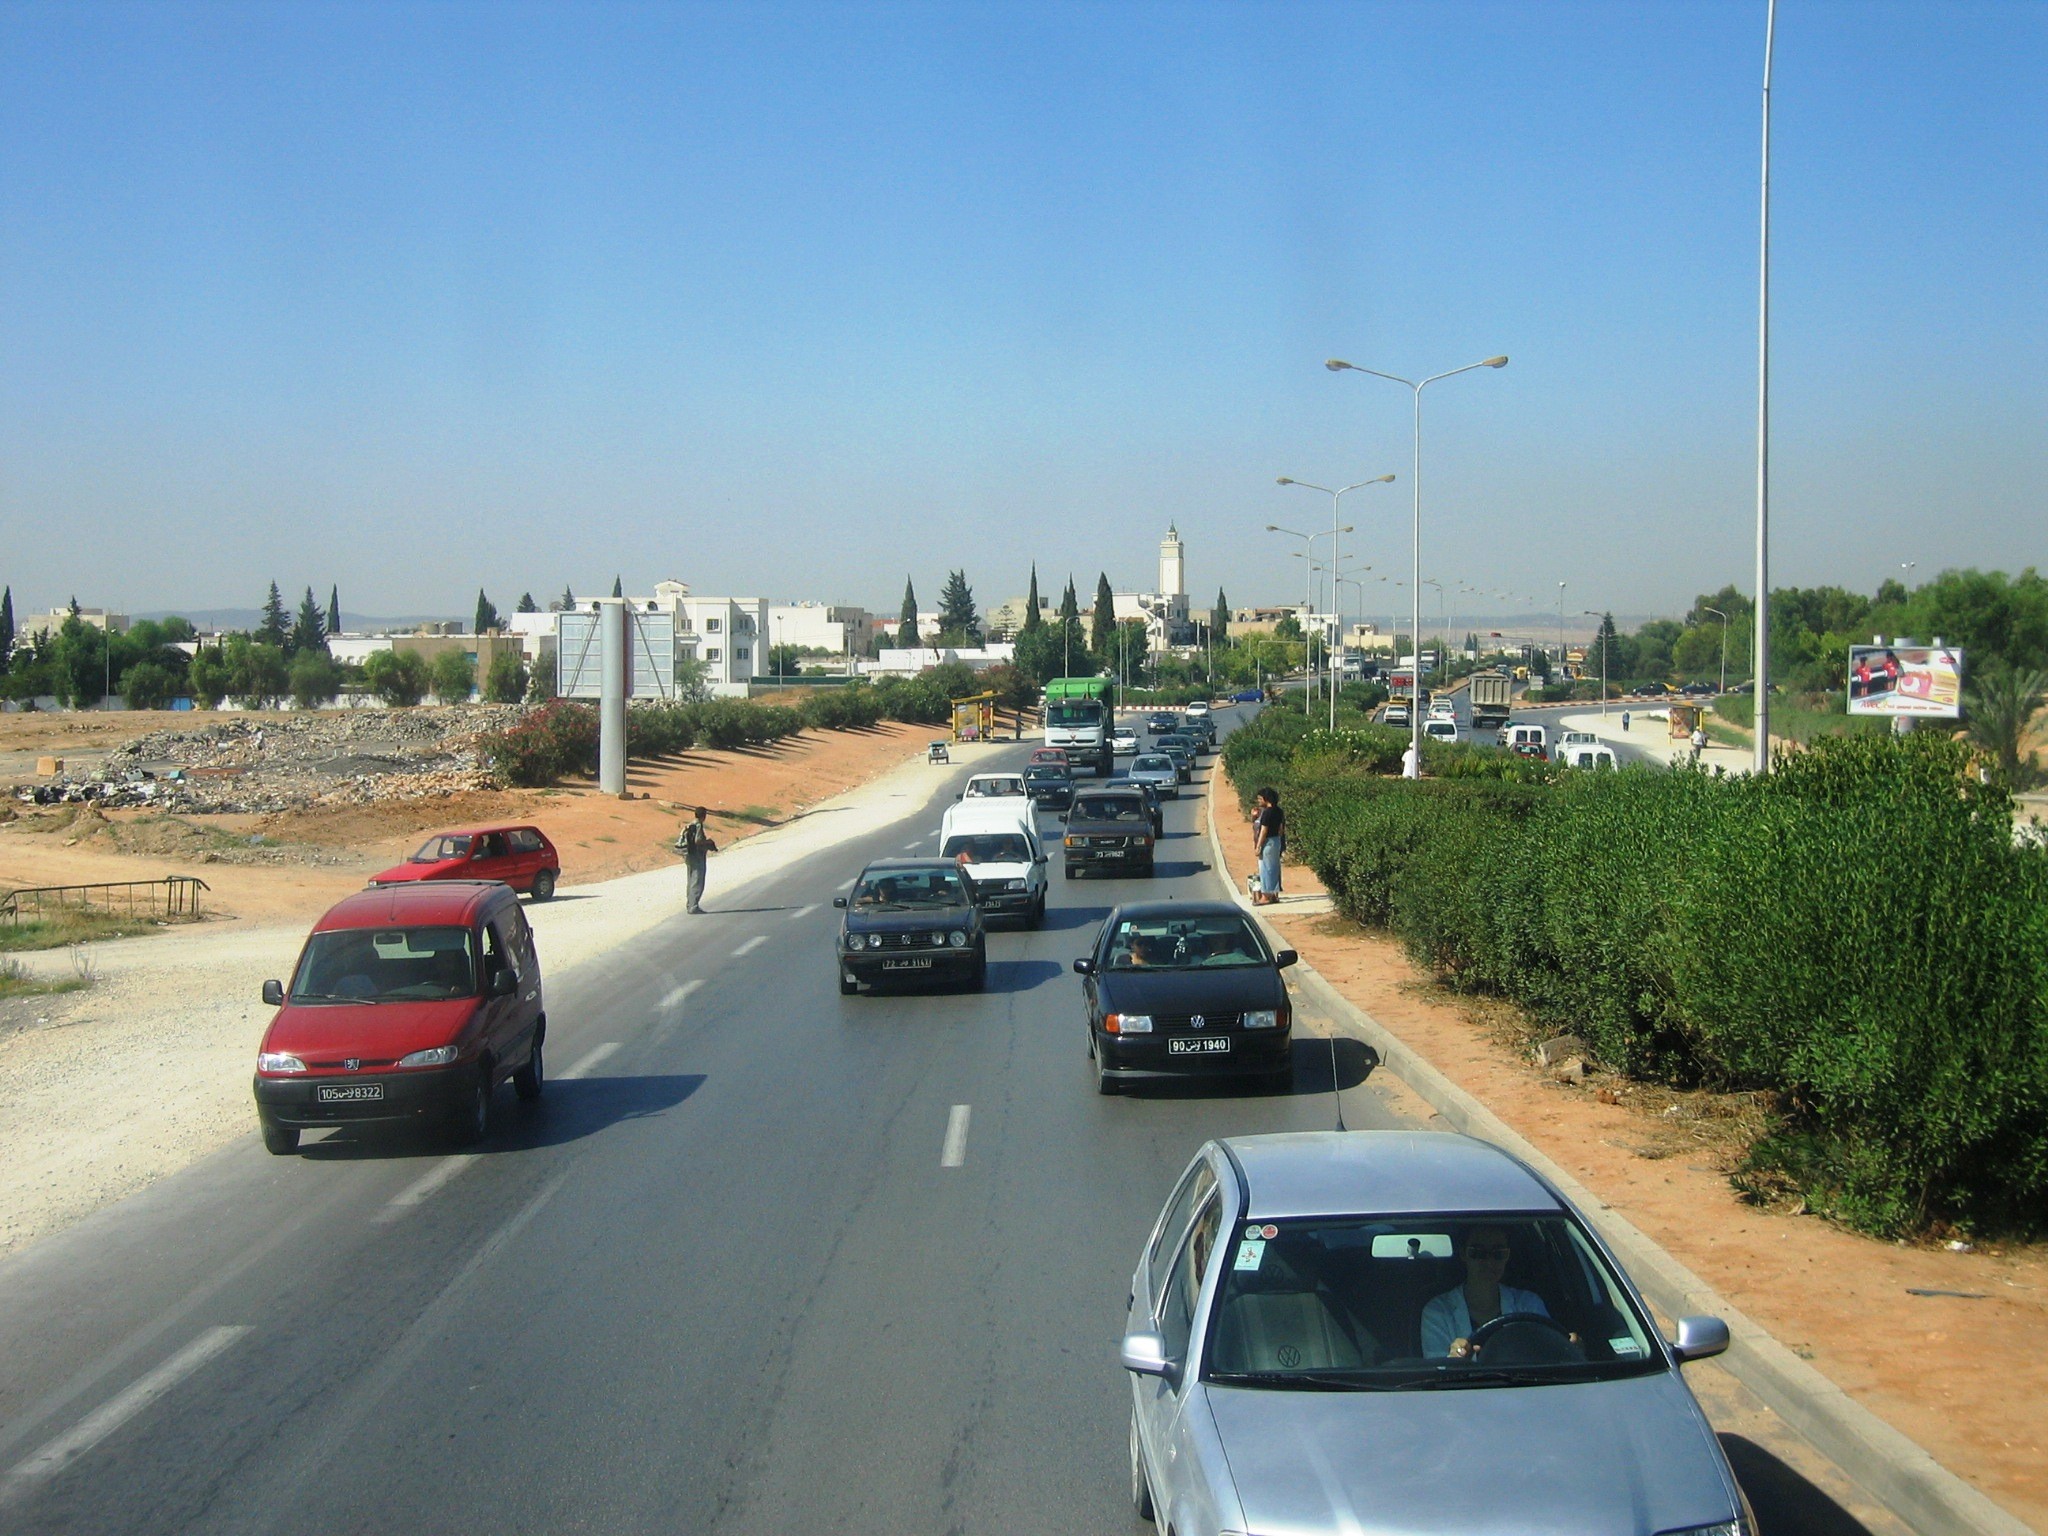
1580 756
1439 728
1516 734
997 843
995 786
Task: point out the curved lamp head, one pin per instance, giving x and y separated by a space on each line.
1496 362
1381 480
1338 365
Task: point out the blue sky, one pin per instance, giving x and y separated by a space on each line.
798 300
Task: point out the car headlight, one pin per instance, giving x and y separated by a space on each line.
856 941
278 1061
1128 1024
438 1056
1262 1018
957 939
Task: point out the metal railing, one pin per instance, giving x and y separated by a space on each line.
175 896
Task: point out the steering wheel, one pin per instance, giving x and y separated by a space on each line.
1488 1329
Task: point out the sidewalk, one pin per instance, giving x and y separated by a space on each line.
1947 1350
1648 737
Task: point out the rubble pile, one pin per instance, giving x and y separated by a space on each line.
237 765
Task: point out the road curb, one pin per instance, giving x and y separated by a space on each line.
1893 1469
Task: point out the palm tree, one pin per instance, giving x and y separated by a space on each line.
2000 704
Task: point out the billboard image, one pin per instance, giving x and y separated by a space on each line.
1906 680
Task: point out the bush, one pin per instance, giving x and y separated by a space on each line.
146 685
315 679
398 678
454 676
554 740
505 682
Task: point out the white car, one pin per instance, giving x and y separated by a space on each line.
1439 728
1442 709
996 843
1578 755
1199 707
1396 713
995 786
1578 739
1123 741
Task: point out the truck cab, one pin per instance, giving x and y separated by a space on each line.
1078 720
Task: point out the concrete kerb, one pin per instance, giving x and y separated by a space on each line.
1885 1463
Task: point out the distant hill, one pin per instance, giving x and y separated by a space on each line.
249 618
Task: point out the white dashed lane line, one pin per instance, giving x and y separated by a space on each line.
110 1416
954 1150
675 995
803 911
423 1188
590 1059
751 945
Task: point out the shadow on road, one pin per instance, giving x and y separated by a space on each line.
1784 1500
1060 919
568 1111
1022 975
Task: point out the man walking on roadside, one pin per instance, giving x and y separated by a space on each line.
1699 741
695 845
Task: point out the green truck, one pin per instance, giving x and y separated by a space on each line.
1078 720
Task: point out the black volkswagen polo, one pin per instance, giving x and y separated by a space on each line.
911 920
1186 987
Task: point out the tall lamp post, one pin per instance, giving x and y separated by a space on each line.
1600 634
1415 388
1335 658
1560 626
1308 541
1724 642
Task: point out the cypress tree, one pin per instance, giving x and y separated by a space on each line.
906 620
566 603
274 629
618 586
486 614
309 633
1031 618
1102 631
527 604
6 625
1219 618
334 609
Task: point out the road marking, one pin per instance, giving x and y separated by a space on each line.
803 911
421 1189
954 1152
751 945
590 1060
675 995
103 1421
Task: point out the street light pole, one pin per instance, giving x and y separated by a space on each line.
1308 541
1762 758
1724 642
1601 635
1415 388
1336 601
1560 627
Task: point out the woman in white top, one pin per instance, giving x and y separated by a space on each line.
1450 1320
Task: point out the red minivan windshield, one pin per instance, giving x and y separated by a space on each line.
385 965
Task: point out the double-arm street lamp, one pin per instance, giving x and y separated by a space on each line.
1308 541
1415 388
1336 562
1717 613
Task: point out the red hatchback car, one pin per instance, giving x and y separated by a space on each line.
408 1003
522 857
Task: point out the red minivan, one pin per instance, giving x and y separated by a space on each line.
409 1003
522 857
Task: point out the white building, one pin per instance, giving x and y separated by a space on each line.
731 633
38 626
1165 612
891 662
841 631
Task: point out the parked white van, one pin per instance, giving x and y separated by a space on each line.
996 841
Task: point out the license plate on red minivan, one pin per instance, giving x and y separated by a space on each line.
348 1093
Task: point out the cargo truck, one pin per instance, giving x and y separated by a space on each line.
1078 721
1493 699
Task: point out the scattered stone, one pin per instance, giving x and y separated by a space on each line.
1560 1049
1572 1073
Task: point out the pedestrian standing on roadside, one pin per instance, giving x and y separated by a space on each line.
696 846
1269 841
1624 719
1411 762
1699 741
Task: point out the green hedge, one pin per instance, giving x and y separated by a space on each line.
1857 932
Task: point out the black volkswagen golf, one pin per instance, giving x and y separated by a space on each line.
911 920
1181 987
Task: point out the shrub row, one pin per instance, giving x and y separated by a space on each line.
1857 931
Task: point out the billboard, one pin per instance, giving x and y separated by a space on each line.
1921 680
650 656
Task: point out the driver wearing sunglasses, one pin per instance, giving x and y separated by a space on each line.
1450 1320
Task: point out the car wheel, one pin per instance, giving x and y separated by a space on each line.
848 986
978 982
1069 870
1141 1492
1281 1079
544 885
530 1079
1038 911
279 1140
473 1115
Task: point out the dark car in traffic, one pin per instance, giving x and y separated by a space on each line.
1050 785
912 920
1161 721
1109 830
409 1003
1179 746
1178 988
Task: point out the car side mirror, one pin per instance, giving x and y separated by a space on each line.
840 902
1144 1354
273 993
503 983
1084 967
1285 958
1041 859
1699 1338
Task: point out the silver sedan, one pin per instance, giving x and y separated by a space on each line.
1158 770
1391 1331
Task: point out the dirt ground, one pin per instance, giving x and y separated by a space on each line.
1964 1375
292 865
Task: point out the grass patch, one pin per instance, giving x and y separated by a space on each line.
759 815
74 927
16 982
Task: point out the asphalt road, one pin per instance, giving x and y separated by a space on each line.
718 1281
